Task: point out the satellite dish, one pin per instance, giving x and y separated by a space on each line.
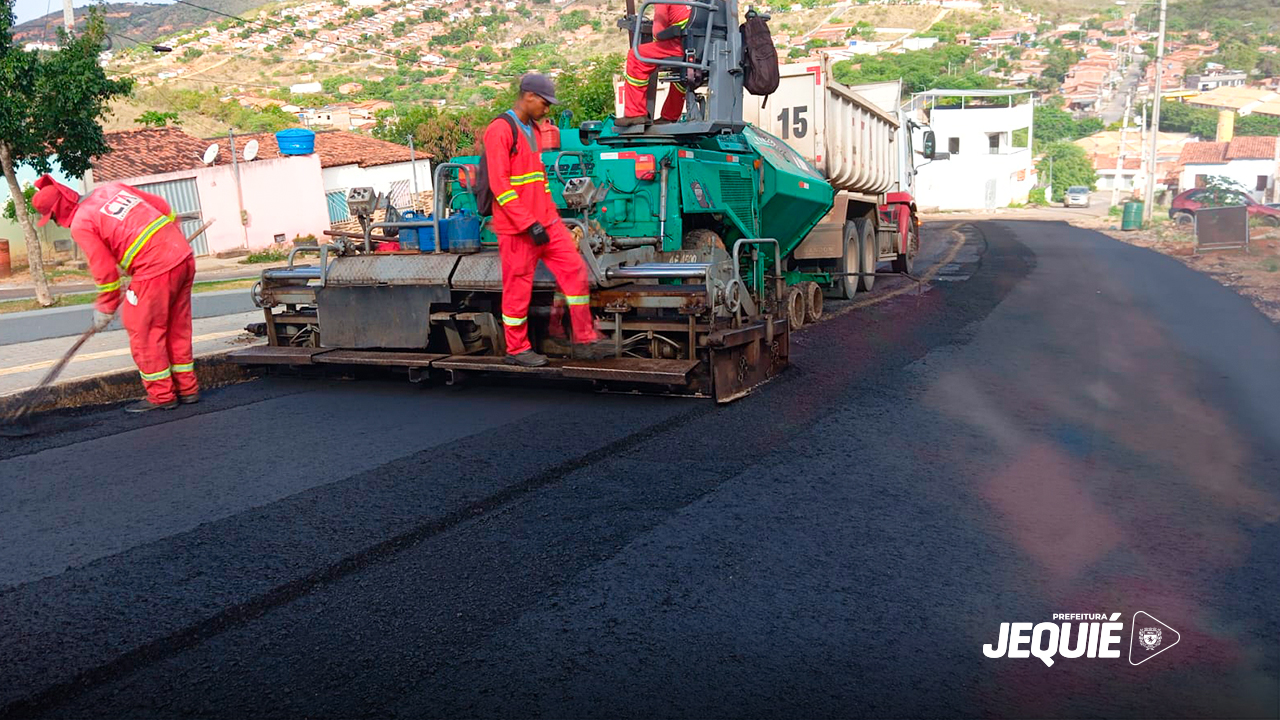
250 150
211 154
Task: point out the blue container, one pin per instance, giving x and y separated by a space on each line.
408 237
464 233
422 239
296 141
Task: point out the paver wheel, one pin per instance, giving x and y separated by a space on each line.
812 301
794 303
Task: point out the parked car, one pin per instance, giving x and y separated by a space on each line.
1182 209
1076 196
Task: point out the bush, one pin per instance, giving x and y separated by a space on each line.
1115 211
1036 197
268 255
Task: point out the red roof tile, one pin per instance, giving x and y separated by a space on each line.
153 151
1252 147
1202 153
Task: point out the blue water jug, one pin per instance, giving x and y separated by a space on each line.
464 232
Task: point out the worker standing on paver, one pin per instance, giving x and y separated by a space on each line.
669 24
529 228
126 231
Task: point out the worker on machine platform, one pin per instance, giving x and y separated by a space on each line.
669 24
529 228
126 231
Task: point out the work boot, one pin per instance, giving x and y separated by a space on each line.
191 399
631 121
147 406
597 350
528 358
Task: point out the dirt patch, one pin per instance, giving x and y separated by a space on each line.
1254 273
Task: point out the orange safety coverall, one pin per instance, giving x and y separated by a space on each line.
522 198
122 228
636 75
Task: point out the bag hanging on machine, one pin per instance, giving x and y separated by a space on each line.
759 57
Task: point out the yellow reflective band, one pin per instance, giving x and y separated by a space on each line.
578 299
506 197
680 23
508 320
679 87
183 367
109 287
141 240
149 377
526 179
635 81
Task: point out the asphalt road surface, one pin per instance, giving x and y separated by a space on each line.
1059 423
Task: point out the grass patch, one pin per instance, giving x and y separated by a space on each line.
1270 265
58 273
1115 211
13 306
266 256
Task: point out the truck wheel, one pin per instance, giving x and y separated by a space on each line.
793 303
870 253
845 285
905 261
702 241
812 301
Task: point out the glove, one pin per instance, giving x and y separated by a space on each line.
101 320
539 234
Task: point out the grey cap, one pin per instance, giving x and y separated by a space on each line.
540 85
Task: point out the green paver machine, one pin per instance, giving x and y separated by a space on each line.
684 228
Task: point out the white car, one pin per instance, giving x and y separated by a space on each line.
1076 196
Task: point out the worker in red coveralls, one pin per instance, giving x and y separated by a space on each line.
529 228
126 231
669 23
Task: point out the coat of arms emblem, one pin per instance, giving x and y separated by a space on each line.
1149 638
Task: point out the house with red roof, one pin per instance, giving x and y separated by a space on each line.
1251 161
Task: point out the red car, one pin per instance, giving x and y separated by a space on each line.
1186 203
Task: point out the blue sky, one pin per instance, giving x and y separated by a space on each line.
32 9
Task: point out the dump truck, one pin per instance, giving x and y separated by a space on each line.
692 233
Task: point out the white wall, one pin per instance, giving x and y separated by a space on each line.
962 181
1245 172
379 177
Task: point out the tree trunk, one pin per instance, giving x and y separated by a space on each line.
35 260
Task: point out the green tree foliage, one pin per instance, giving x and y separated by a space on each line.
1053 124
940 67
1221 191
11 210
587 90
1203 122
1070 167
573 20
154 118
52 105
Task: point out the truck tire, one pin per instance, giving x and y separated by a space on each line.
793 305
845 285
869 252
812 301
905 261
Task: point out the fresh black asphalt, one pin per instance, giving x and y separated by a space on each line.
1060 423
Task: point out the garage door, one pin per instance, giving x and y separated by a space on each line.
184 200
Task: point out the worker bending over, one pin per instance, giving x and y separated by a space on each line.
669 23
529 228
126 231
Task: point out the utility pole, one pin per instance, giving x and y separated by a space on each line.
1155 120
68 17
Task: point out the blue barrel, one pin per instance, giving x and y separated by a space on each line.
296 141
1132 218
409 237
464 233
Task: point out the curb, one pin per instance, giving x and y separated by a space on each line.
214 370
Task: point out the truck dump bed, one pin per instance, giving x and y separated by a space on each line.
848 136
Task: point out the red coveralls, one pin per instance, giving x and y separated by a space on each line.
637 72
122 228
521 198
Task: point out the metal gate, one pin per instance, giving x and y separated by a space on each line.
337 201
184 200
401 194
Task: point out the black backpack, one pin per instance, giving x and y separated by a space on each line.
484 193
759 56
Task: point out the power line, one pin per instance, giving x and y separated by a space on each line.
349 46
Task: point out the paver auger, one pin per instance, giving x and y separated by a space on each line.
683 226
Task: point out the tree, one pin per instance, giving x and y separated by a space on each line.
588 91
1221 191
11 210
1071 166
153 118
52 105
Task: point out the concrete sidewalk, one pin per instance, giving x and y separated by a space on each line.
22 365
34 325
207 269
